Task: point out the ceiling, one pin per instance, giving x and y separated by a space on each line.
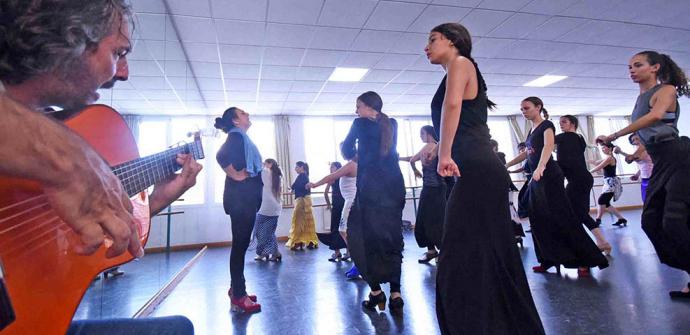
275 56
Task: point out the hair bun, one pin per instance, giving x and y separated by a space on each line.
219 124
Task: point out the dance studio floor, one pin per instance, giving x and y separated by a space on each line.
306 294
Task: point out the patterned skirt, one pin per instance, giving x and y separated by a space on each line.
265 235
303 229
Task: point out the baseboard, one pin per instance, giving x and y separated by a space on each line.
222 244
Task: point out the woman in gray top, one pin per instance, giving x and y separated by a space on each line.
267 216
665 218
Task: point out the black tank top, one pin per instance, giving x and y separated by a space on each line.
610 170
472 137
335 187
430 177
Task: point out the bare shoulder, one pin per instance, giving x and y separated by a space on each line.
667 93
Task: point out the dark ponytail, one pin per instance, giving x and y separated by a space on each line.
303 165
276 174
537 102
572 119
374 101
669 72
431 131
461 39
225 123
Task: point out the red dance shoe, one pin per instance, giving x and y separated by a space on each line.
244 305
251 296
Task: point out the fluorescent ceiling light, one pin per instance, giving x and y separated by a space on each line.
544 81
347 74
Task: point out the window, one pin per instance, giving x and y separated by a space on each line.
321 146
153 137
180 128
501 133
159 134
606 126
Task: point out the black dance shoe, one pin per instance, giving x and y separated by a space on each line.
621 222
396 304
680 294
428 256
375 300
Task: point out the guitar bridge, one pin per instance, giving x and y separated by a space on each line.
6 311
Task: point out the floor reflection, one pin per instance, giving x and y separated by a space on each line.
306 294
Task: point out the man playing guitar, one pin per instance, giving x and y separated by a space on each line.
59 53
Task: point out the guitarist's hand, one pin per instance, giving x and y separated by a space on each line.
168 191
92 201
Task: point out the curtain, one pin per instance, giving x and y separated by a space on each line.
517 132
133 121
618 124
590 136
282 128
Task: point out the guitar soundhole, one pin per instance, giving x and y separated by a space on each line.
6 311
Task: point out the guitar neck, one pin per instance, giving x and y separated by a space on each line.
139 174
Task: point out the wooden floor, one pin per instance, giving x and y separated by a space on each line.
306 294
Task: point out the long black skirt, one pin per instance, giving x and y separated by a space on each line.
559 237
428 227
578 191
523 200
481 287
333 239
666 213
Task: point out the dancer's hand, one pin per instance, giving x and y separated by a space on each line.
538 172
309 186
447 167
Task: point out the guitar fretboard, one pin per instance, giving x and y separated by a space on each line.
137 175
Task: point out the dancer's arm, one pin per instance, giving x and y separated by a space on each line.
329 179
456 84
662 101
231 157
325 194
602 164
546 152
348 148
519 158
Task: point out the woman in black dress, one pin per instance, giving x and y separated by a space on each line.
481 287
374 228
333 239
570 155
666 213
559 237
241 161
428 226
611 188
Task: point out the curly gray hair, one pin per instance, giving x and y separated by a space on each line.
38 36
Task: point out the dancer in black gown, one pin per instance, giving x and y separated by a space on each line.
374 228
570 154
333 239
428 227
522 197
481 287
559 237
666 214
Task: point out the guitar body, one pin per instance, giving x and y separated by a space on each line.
44 278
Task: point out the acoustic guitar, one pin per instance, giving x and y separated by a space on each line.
42 280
